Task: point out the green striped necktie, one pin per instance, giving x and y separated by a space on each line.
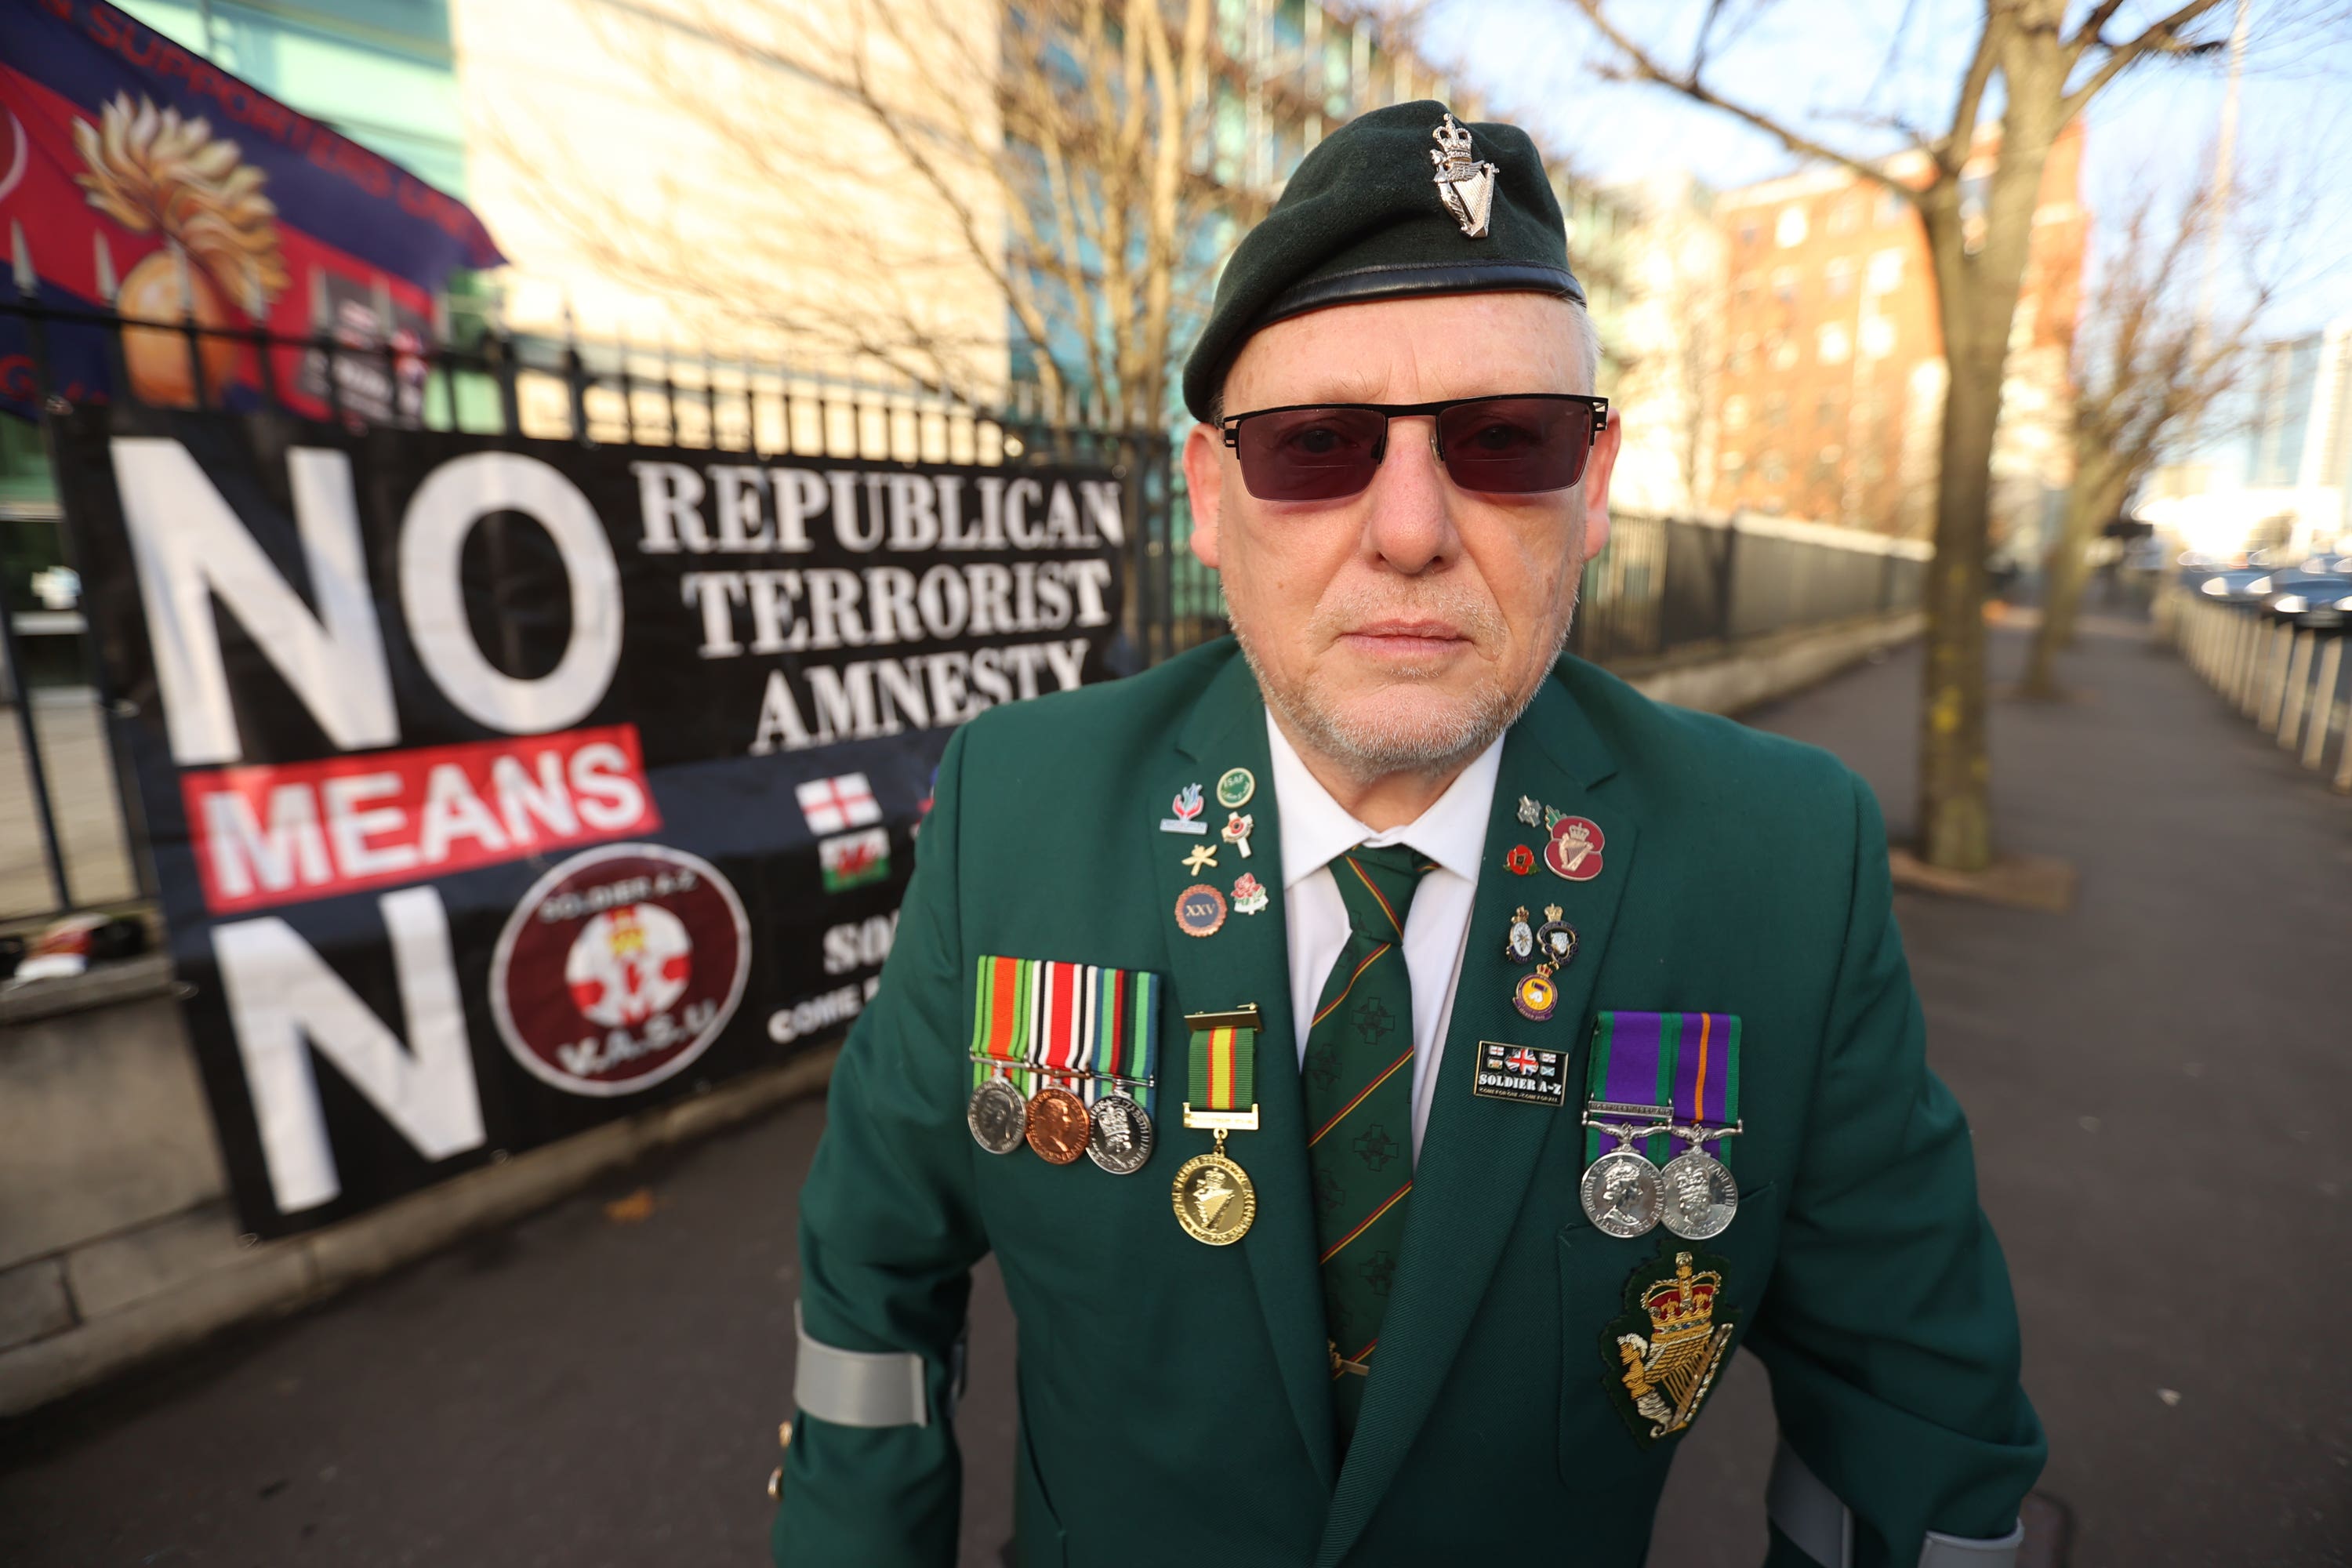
1357 1085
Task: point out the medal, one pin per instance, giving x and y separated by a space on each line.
1123 1014
1214 1199
1700 1195
1693 1058
1058 1126
997 1115
1120 1137
1060 1032
1234 787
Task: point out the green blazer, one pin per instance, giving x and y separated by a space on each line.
1174 1396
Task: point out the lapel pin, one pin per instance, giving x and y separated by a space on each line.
1199 910
1521 860
1519 940
1188 806
1236 832
1203 857
1529 811
1575 848
1249 895
1234 787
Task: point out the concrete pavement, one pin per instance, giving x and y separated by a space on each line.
2159 1084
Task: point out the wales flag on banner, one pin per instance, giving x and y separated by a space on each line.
120 152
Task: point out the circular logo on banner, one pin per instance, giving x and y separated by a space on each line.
619 967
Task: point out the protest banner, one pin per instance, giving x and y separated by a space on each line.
495 787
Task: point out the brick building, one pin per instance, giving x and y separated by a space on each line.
1829 397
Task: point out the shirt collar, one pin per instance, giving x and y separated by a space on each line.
1316 828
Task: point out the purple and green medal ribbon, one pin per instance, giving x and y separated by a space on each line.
1686 1063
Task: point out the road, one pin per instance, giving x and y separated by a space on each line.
2158 1081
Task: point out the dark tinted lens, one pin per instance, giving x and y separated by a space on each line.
1516 445
1310 454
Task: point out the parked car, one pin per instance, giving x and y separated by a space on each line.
2236 586
2314 600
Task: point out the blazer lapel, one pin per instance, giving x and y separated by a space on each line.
1478 1153
1247 959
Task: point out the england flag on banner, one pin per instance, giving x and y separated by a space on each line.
834 803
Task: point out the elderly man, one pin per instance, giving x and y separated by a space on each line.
1389 1065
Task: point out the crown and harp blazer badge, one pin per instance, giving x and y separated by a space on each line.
1465 186
1668 1345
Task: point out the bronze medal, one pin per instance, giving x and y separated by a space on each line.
1058 1125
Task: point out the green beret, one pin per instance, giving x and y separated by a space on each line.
1397 201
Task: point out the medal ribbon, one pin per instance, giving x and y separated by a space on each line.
1225 1069
1124 1033
1001 1021
1058 1034
1684 1063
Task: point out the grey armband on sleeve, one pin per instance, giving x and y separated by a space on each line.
858 1388
1821 1526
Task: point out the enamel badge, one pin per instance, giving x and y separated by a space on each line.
1529 1074
1575 848
1664 1350
1465 186
1188 805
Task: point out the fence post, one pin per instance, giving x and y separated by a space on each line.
2323 699
2298 670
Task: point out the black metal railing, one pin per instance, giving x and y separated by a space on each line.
484 379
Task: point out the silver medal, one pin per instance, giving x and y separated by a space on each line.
1700 1195
998 1116
1120 1140
1622 1195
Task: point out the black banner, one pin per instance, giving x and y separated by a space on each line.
499 787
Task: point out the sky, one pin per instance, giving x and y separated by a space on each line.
1829 63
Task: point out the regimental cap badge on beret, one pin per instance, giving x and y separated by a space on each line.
1466 186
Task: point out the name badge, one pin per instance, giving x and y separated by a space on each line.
1529 1074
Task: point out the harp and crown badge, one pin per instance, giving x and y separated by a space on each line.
1667 1346
1465 185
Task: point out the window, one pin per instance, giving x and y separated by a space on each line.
1743 289
1776 409
1825 408
1784 352
1784 283
1734 413
1749 231
1789 227
1833 347
1773 469
1846 216
1733 462
1890 208
1885 272
1877 337
1838 276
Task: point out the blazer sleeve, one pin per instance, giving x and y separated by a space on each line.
888 1235
1888 1328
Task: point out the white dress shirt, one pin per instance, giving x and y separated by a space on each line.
1316 829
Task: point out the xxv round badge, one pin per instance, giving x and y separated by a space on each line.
619 968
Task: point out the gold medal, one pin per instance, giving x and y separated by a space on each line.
1215 1202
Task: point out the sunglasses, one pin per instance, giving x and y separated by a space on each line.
1503 446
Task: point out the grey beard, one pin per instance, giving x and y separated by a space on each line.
1374 748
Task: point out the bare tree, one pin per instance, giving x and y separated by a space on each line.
2150 364
909 182
2043 73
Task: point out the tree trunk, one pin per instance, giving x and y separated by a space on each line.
2097 492
1955 768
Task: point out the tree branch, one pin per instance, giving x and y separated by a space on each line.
2162 36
